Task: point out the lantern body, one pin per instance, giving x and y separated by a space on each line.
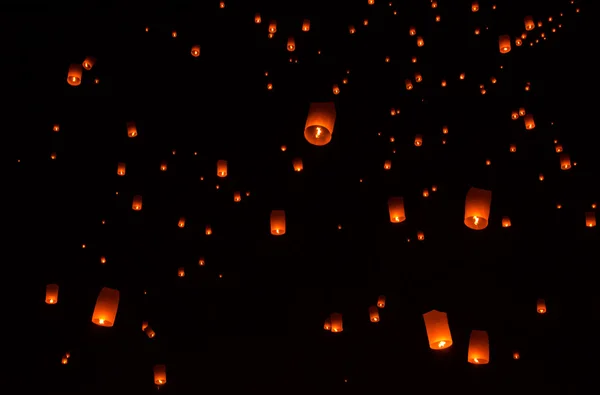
181 272
208 230
52 293
381 301
297 163
144 325
121 169
257 18
541 306
327 324
160 374
222 168
163 165
277 222
408 84
181 222
504 43
387 165
319 123
273 27
336 322
306 25
479 348
137 203
291 44
237 197
529 122
149 332
565 161
74 75
477 208
506 222
396 209
195 51
590 219
131 130
438 330
374 314
475 6
420 41
418 140
529 23
88 62
107 304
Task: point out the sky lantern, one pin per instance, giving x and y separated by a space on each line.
420 41
477 208
373 314
291 44
475 6
337 324
88 62
137 203
257 18
297 163
541 306
504 43
222 168
74 75
506 222
181 222
479 348
278 222
529 122
318 129
121 168
195 51
160 374
107 304
381 301
438 330
590 219
529 23
273 27
52 294
396 209
565 161
131 130
306 25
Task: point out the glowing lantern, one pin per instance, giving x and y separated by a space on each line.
590 219
418 140
273 27
291 44
558 148
137 203
518 43
387 165
56 128
514 115
144 325
420 41
181 222
195 51
149 332
107 304
504 43
408 84
381 301
412 31
541 177
374 314
181 272
297 163
565 161
208 230
222 168
257 18
160 374
513 148
529 23
479 348
336 89
336 322
88 62
475 6
425 192
51 293
516 355
418 77
371 2
541 306
319 123
420 236
351 29
506 222
529 123
438 330
131 130
221 4
121 169
477 208
278 222
163 165
237 197
327 324
74 75
305 25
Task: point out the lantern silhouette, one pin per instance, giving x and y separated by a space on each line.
590 219
374 314
319 125
565 161
222 168
107 304
121 169
337 324
52 293
195 51
396 209
477 208
541 306
88 62
438 330
529 122
278 222
160 374
131 130
479 348
504 43
381 301
137 203
74 75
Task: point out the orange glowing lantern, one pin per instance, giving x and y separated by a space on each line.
337 324
52 293
418 77
420 236
477 208
237 197
137 203
381 301
319 123
181 272
412 31
351 29
518 43
541 306
273 27
181 222
163 165
374 314
327 324
425 192
88 62
512 148
504 43
56 128
514 115
306 25
297 163
475 6
529 123
131 130
74 75
160 374
222 168
387 165
420 41
278 222
121 169
408 84
479 348
195 51
336 89
506 222
291 44
565 161
144 325
396 209
257 18
558 148
438 330
149 332
418 140
107 304
208 230
529 23
590 219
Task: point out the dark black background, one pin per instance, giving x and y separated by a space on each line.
260 327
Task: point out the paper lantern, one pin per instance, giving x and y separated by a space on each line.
418 140
278 222
438 330
336 322
590 219
506 222
297 163
396 209
74 75
160 374
475 6
529 122
181 222
529 23
88 62
121 169
318 129
257 18
305 25
273 27
565 161
181 272
52 293
291 44
195 51
504 43
327 324
381 301
107 304
149 332
131 130
479 348
374 314
163 165
541 306
222 168
137 203
237 197
477 208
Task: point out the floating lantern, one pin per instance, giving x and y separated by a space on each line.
52 294
336 322
107 304
477 208
137 203
222 168
438 330
160 374
74 75
278 222
396 209
374 314
479 348
319 123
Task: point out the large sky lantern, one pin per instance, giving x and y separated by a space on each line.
373 314
337 325
541 306
52 294
396 209
319 123
160 374
529 122
590 219
74 74
565 161
278 222
479 348
438 330
306 25
529 23
222 168
107 304
504 43
477 208
131 130
137 203
88 62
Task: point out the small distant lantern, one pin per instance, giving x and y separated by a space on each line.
512 148
541 306
438 330
273 27
351 29
56 128
514 115
506 222
121 169
529 123
297 163
52 293
337 324
418 77
306 25
479 348
137 203
107 304
327 324
181 222
257 18
278 222
181 272
408 84
425 192
420 236
195 51
336 89
208 230
88 62
412 31
291 44
374 314
529 23
420 41
74 75
149 332
504 43
475 6
565 161
131 130
477 208
237 197
590 219
163 165
387 165
318 129
418 140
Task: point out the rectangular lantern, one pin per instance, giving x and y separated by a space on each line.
278 222
438 330
479 348
107 304
52 294
396 209
477 208
319 123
